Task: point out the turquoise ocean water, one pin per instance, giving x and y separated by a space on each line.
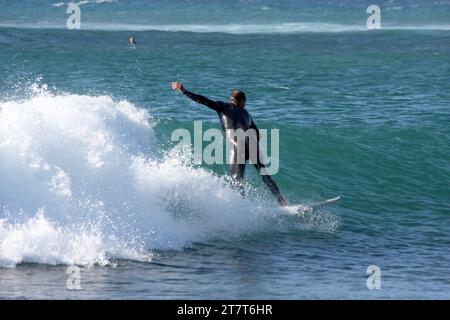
89 176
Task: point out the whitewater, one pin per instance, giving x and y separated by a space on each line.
82 183
234 28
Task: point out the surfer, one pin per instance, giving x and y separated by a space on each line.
133 42
234 116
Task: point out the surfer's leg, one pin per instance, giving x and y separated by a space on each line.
267 179
237 169
237 176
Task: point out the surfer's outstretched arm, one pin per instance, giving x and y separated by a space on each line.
203 100
216 106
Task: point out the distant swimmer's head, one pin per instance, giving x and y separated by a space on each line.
132 41
238 98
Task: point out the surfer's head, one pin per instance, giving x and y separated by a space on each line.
238 98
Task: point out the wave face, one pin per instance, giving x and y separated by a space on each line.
81 184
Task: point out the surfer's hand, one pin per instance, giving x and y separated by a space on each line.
178 86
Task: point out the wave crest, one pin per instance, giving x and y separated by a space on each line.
81 184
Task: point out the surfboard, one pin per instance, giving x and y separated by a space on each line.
301 208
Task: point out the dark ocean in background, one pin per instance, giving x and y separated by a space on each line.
89 175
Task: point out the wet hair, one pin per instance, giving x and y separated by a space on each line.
239 97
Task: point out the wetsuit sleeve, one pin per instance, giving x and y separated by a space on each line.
216 106
254 127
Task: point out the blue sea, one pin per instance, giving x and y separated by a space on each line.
97 201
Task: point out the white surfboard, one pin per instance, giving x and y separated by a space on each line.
301 208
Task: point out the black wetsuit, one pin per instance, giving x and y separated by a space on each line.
233 117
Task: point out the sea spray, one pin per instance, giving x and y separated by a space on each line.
81 184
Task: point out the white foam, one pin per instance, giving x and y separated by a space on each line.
79 184
60 4
235 28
